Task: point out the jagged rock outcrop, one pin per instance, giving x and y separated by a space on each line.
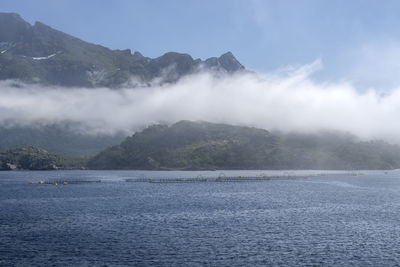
40 54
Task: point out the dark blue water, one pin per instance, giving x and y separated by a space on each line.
332 220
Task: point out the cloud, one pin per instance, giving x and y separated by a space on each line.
376 63
288 100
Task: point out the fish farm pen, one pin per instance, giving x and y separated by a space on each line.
68 181
201 179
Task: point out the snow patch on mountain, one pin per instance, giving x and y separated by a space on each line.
41 58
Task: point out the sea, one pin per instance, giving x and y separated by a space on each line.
100 219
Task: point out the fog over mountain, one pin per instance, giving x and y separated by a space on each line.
287 100
49 77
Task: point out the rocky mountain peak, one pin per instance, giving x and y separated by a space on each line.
226 62
12 27
137 55
45 55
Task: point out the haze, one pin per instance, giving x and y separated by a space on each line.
288 100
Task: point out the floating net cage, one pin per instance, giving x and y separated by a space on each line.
68 181
222 175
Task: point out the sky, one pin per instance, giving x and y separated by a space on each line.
356 41
319 65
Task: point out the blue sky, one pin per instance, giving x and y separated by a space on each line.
357 41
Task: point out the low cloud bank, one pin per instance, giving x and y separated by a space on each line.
287 100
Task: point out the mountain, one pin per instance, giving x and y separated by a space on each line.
40 54
189 145
62 139
30 158
203 145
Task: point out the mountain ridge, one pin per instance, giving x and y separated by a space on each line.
188 145
40 54
199 145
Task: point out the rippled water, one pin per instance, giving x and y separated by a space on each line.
330 220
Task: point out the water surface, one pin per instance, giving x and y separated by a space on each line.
330 220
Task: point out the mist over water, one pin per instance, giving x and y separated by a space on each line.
289 100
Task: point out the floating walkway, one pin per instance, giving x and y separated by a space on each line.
201 179
233 178
66 181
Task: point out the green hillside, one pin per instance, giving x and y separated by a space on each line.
30 158
202 145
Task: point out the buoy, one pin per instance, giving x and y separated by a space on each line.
65 183
55 183
41 182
